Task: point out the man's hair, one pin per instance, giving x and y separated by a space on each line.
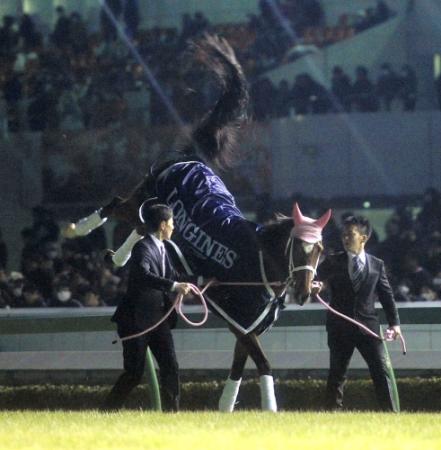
153 216
363 225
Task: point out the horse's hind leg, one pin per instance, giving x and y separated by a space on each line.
231 388
267 396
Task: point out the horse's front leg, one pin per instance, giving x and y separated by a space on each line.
231 388
249 345
126 210
252 344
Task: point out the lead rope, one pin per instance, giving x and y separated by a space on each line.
388 337
179 300
177 305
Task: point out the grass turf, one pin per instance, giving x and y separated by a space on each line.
211 430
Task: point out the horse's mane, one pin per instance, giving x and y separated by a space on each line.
275 229
214 136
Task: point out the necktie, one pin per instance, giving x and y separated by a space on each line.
162 251
357 273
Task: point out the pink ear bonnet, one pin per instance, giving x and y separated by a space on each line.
307 229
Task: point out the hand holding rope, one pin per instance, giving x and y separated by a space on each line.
177 305
390 335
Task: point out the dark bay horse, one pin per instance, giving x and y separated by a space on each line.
215 238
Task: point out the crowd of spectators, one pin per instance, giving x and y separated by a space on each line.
76 79
391 90
77 273
61 273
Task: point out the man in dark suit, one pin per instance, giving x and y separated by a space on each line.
151 280
356 280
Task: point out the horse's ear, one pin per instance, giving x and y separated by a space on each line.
324 219
297 216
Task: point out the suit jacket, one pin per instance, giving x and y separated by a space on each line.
148 292
359 306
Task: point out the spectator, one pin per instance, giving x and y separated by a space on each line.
78 34
40 271
5 290
31 38
12 93
429 219
309 96
433 258
42 109
200 23
313 13
300 94
382 11
283 100
32 298
92 299
63 297
8 37
416 282
61 34
341 89
390 248
110 13
16 283
69 112
437 284
387 86
319 98
407 90
363 91
3 252
131 17
262 95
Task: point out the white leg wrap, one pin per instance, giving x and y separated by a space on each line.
229 395
87 224
122 255
268 399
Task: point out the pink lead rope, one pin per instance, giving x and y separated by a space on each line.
179 301
388 337
177 304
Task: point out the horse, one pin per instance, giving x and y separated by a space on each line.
267 261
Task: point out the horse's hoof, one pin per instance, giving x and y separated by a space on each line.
108 255
69 231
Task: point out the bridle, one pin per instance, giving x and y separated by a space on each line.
292 268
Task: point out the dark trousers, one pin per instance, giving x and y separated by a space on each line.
342 344
161 344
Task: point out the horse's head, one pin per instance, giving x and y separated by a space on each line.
303 249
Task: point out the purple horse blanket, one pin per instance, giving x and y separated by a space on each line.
218 242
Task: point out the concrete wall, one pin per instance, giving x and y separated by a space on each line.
356 154
34 340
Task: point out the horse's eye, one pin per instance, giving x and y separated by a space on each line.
307 247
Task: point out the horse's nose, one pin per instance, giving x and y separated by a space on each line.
302 299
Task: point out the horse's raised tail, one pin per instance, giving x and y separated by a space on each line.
213 138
